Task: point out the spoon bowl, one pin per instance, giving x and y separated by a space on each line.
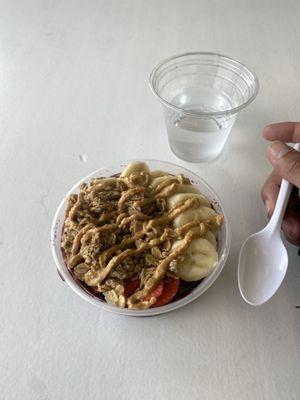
265 262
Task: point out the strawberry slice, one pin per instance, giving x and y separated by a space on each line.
170 288
131 286
155 292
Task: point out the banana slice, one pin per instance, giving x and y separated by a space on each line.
185 188
198 261
180 197
210 236
135 167
158 180
158 173
106 181
199 214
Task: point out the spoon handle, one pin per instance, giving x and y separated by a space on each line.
281 203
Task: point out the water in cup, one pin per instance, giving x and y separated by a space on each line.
196 137
202 94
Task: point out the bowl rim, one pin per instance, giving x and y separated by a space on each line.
67 277
201 114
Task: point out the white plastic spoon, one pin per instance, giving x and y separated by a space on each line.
263 259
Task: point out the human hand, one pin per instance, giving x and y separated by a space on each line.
286 164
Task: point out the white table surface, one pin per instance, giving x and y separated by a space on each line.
74 87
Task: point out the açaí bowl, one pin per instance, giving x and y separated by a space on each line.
223 240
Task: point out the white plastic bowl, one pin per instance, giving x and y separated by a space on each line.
223 240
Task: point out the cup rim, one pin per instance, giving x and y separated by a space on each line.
70 281
202 114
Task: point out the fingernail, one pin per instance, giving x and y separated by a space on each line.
268 207
267 128
278 150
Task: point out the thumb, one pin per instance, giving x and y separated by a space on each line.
286 162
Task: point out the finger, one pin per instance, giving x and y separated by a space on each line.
284 132
294 200
291 221
285 161
269 192
291 227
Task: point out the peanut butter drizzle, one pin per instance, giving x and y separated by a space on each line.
107 216
167 192
74 260
168 233
212 223
191 225
134 217
116 260
126 242
102 229
175 211
120 217
77 240
128 194
215 222
87 233
165 183
144 202
98 186
140 178
75 208
134 301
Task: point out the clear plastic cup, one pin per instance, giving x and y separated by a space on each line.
201 94
223 240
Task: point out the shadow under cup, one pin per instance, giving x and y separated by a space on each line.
201 94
